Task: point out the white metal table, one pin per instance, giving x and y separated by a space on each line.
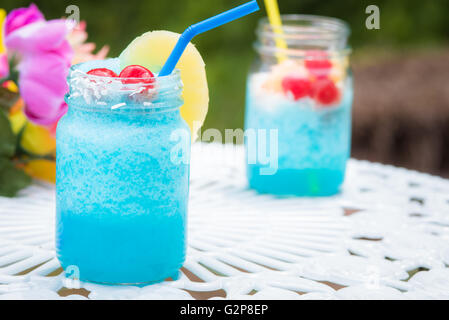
386 236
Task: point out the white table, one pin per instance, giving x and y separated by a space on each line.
364 243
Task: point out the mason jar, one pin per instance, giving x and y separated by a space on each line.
298 107
122 177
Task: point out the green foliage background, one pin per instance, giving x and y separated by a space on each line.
228 51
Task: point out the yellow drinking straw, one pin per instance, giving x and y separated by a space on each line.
276 23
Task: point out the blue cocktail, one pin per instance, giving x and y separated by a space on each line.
304 93
122 179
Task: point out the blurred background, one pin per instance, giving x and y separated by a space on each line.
401 72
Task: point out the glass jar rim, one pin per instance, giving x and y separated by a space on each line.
326 23
119 94
163 81
298 29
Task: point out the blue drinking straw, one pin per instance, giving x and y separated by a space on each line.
204 26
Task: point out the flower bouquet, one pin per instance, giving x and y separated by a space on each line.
35 57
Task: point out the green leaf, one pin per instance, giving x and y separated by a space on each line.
7 98
13 72
12 180
7 137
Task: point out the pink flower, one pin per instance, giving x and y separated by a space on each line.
42 83
21 17
4 66
39 38
84 50
45 61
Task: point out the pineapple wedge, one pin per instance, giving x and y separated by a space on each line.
152 49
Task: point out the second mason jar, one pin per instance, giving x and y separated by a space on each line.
122 177
299 98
